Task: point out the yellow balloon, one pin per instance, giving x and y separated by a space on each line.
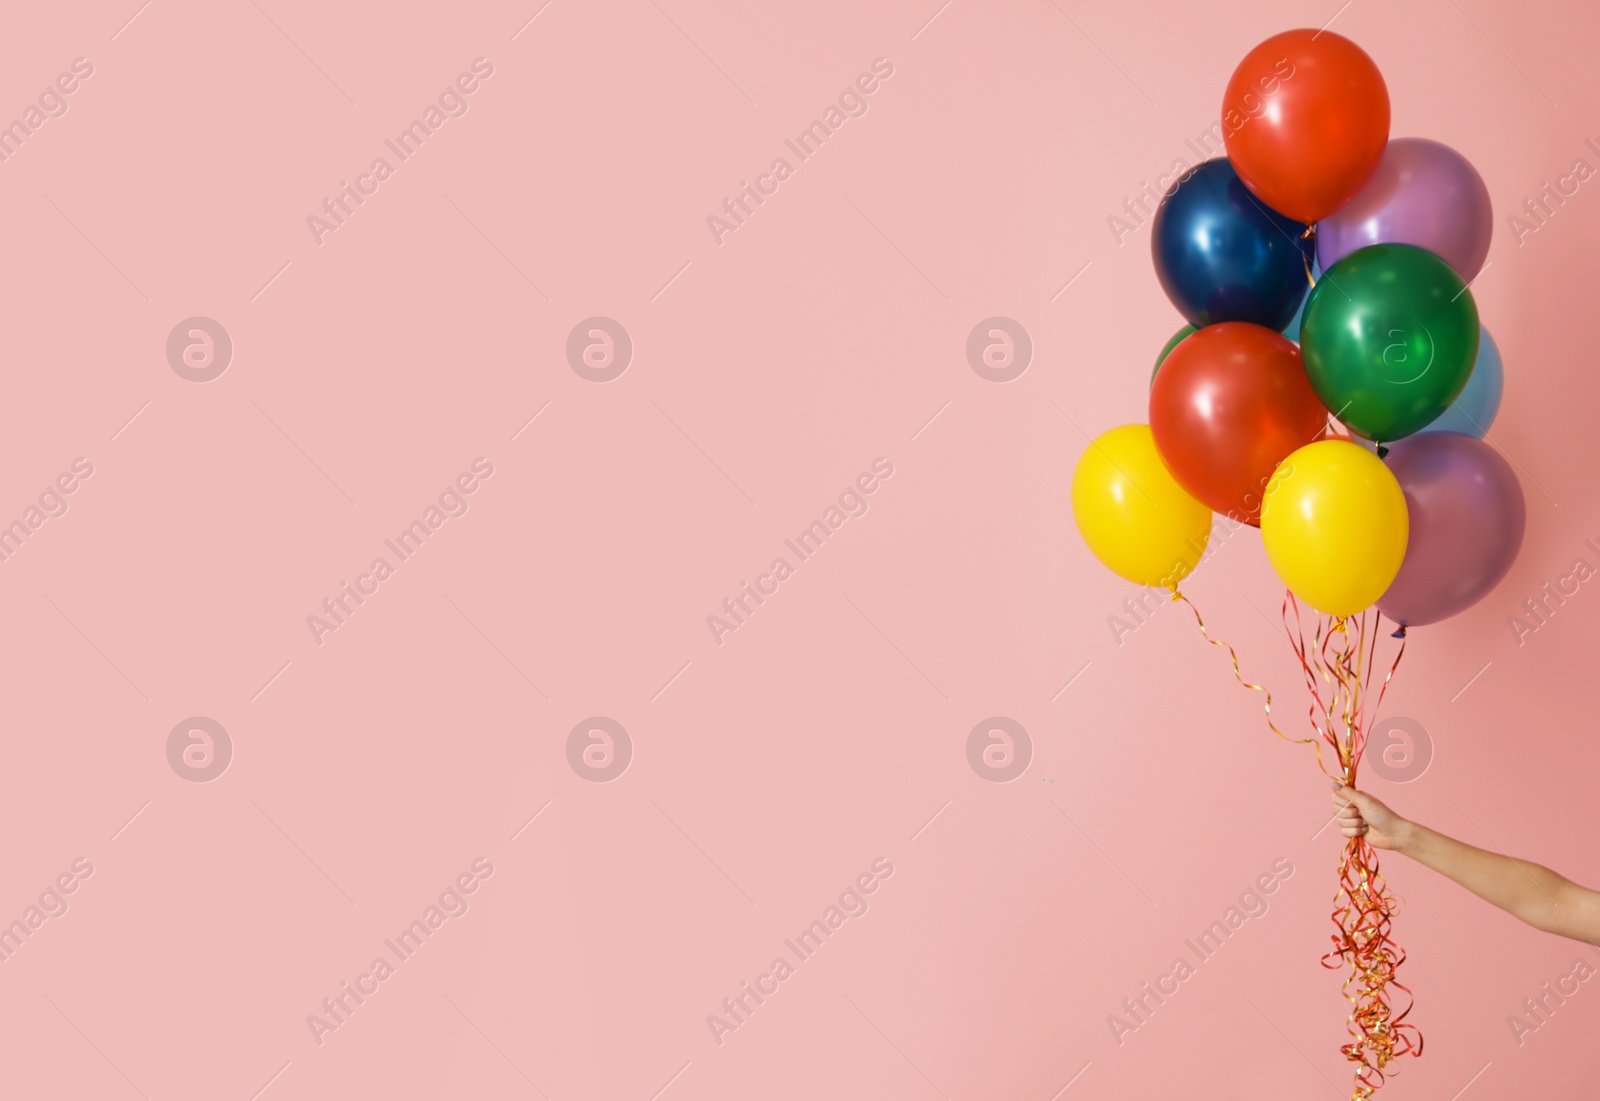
1134 515
1333 520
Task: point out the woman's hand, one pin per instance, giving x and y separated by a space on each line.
1530 892
1360 815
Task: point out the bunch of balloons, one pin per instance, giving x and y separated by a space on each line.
1333 384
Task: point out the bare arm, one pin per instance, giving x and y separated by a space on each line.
1529 892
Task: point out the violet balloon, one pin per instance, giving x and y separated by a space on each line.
1467 519
1422 193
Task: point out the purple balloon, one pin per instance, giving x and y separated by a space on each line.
1467 518
1422 194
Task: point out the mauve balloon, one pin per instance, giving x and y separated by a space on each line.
1422 193
1467 518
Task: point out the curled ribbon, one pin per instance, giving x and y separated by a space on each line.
1340 657
1338 662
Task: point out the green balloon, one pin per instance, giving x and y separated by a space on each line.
1177 338
1389 338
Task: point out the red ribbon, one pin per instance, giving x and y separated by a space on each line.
1337 662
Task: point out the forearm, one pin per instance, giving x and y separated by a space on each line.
1529 892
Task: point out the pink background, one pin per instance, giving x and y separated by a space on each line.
768 372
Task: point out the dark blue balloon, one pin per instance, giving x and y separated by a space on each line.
1223 255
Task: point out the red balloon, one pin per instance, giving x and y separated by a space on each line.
1305 121
1230 403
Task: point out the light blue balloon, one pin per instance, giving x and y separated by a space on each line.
1293 331
1474 411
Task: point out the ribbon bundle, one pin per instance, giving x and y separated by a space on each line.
1338 661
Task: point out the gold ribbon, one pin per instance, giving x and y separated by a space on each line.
1338 663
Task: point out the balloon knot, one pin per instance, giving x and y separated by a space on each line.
1383 452
1400 632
